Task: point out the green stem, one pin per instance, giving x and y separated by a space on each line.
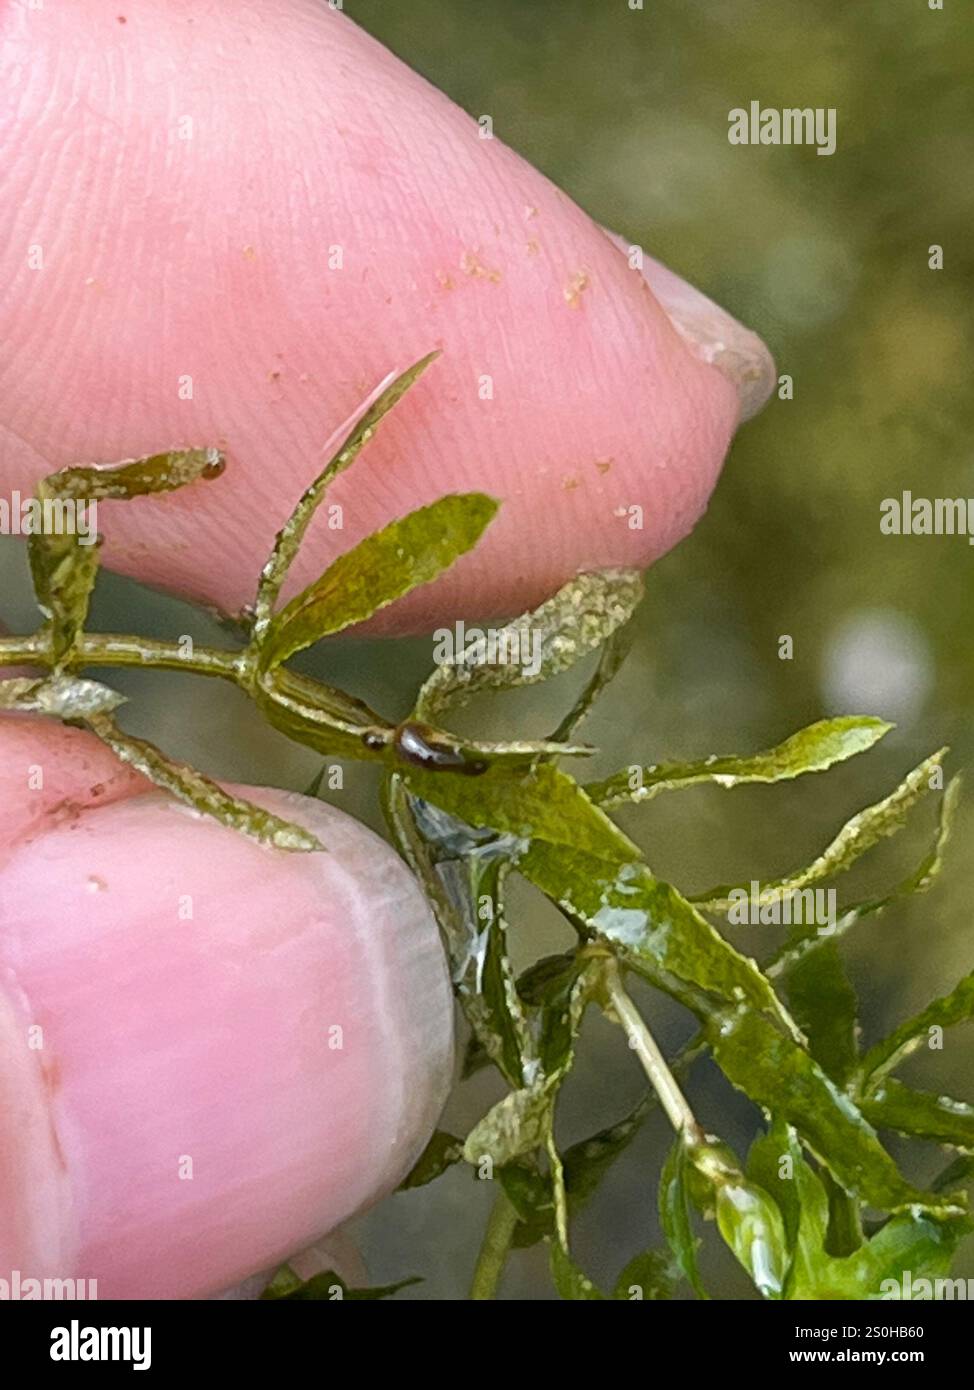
654 1064
113 649
495 1249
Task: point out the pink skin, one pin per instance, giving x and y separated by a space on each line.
166 1038
185 175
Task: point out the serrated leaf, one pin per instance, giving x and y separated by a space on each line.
814 749
377 571
955 1007
142 477
674 1214
655 930
63 567
920 1115
857 836
825 1007
540 803
441 1153
918 881
199 792
582 615
289 538
782 1078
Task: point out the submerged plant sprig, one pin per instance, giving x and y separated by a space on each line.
468 815
409 552
795 1055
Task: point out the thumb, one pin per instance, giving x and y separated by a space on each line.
224 224
211 1054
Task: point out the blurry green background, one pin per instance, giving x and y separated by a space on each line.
827 259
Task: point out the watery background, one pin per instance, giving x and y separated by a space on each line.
828 259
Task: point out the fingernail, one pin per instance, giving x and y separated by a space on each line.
716 337
713 335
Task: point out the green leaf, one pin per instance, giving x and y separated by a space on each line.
377 571
857 836
920 1115
537 984
649 1276
584 1164
655 929
326 1287
908 1249
63 566
587 1162
543 981
825 1007
64 697
919 881
561 1017
958 1173
483 893
660 936
814 749
18 692
582 615
776 1163
319 717
614 652
539 803
441 1153
570 1281
521 1121
674 1214
845 1231
782 1078
142 477
516 1125
748 1217
453 862
751 1226
200 792
952 1008
289 538
530 1193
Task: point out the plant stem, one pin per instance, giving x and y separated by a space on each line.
642 1042
113 649
495 1249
